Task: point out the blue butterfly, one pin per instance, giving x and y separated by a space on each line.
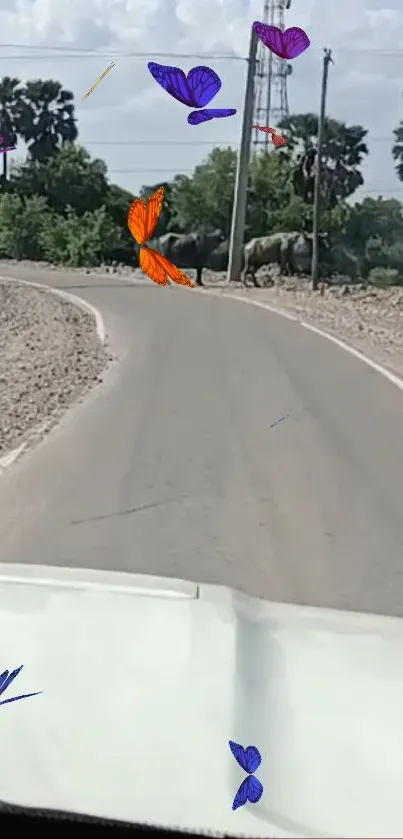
251 788
195 90
5 681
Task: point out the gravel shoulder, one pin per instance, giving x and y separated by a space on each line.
50 356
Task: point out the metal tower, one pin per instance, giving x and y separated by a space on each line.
271 100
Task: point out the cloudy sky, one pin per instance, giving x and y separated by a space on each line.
142 133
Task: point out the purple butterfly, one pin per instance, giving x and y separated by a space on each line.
197 117
251 788
288 44
9 148
5 681
195 90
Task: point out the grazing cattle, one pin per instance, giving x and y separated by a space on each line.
217 260
291 252
268 250
190 250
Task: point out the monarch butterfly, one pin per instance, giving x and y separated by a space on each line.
142 221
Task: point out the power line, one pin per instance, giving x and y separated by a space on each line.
78 52
145 171
379 190
385 139
156 142
69 52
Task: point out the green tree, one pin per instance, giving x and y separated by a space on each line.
46 117
117 205
343 152
205 200
269 196
397 150
11 92
373 230
374 218
67 179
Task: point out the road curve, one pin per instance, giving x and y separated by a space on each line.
171 466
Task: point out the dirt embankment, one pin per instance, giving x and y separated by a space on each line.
50 355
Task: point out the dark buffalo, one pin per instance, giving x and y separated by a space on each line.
190 250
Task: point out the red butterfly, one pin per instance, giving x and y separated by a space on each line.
264 128
277 139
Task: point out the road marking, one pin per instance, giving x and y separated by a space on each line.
393 378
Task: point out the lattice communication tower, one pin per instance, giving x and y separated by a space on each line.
271 99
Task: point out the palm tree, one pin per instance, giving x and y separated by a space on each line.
11 92
397 150
343 152
46 118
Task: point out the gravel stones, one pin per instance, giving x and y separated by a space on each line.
50 355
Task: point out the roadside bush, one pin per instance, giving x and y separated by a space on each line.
91 237
79 240
30 230
384 277
22 221
384 256
55 239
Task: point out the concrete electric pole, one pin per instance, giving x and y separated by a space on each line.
242 172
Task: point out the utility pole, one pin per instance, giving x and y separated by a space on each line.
316 199
242 172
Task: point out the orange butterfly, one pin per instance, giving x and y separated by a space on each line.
142 221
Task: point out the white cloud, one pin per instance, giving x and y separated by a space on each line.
365 82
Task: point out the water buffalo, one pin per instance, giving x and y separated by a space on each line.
292 252
300 252
190 250
268 250
217 260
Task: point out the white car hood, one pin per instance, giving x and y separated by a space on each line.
145 681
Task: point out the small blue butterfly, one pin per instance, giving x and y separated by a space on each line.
5 680
251 788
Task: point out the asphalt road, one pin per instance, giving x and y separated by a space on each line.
171 466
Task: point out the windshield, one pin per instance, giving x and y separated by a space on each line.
201 385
